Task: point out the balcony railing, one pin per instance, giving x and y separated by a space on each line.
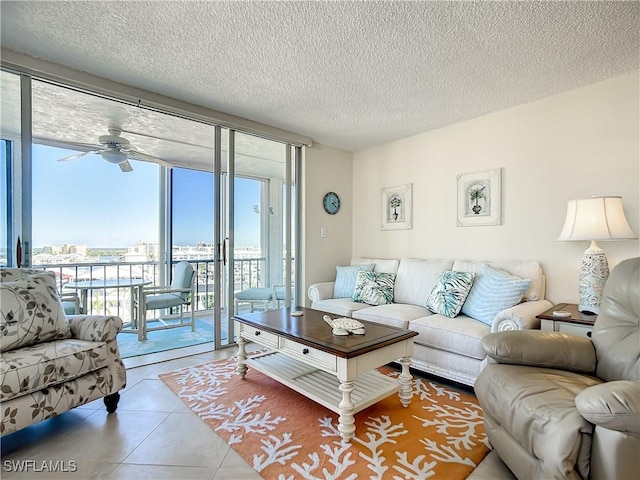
248 272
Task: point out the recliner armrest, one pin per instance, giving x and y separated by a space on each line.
541 349
320 291
521 316
95 328
613 405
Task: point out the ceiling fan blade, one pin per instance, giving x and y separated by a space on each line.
136 155
78 155
125 166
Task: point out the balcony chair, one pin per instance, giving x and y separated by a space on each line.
257 298
178 294
562 406
279 295
71 303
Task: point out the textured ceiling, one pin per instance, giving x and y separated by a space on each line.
347 74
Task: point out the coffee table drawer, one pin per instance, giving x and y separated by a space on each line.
259 336
309 355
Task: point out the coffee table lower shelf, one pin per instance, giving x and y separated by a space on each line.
320 386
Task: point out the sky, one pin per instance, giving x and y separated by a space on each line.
88 201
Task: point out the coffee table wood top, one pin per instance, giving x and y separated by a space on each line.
311 330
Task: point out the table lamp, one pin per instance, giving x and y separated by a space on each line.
597 218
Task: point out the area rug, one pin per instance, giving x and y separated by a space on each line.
162 340
283 435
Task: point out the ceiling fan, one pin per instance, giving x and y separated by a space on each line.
116 149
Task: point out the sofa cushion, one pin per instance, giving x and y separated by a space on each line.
382 265
493 290
520 268
374 288
31 311
416 279
159 301
394 314
167 300
450 292
35 367
461 335
338 306
345 283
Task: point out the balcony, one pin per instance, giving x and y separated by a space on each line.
248 272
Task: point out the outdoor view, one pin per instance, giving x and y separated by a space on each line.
113 212
105 216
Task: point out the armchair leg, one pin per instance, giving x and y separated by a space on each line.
111 402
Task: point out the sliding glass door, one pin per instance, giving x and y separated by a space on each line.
106 189
262 172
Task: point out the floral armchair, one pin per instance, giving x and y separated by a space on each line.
51 363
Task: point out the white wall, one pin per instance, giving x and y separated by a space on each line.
573 145
326 169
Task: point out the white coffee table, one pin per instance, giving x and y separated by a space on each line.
338 372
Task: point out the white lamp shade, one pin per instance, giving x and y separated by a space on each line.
597 218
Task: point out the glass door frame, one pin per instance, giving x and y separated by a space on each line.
21 214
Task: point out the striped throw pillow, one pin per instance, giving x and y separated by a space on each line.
450 292
493 290
374 288
346 279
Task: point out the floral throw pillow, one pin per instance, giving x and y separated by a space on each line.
374 288
450 292
31 311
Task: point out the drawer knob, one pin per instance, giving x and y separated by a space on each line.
257 332
589 334
305 351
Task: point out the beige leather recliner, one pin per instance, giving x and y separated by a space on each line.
562 406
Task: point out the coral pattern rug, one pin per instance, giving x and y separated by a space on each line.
284 435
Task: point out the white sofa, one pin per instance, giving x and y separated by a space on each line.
447 347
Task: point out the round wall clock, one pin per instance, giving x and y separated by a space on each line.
331 203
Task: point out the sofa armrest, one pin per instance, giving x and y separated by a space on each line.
612 405
536 348
95 328
521 316
320 291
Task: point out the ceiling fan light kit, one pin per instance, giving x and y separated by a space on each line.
114 156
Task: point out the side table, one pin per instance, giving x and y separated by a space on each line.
577 324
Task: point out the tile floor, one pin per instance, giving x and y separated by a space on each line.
153 435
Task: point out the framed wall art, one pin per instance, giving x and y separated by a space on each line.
396 207
480 198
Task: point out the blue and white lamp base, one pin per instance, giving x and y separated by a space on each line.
594 271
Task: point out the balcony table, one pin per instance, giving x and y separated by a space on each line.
132 283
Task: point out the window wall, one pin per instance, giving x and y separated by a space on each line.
86 218
10 166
